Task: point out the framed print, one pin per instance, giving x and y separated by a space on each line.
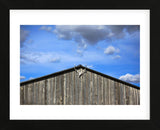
65 90
79 64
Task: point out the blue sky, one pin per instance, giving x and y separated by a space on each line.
110 49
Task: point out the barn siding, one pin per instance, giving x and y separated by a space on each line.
70 89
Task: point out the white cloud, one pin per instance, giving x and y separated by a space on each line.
82 46
44 58
30 41
130 78
55 60
46 28
38 57
31 78
22 77
117 57
89 66
23 36
79 52
110 50
117 50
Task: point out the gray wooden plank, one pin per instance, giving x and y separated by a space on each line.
46 91
62 90
121 94
67 90
118 94
51 90
39 92
80 92
139 97
94 90
129 91
88 82
127 95
57 90
32 93
138 91
112 93
107 90
135 102
54 91
84 88
103 91
43 92
117 87
115 92
65 86
29 94
21 95
35 92
25 94
124 94
74 88
135 96
130 96
99 87
91 88
70 88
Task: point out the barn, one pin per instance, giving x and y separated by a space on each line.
78 86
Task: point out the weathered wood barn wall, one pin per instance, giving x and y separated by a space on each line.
67 88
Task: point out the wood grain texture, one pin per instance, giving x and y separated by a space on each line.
21 95
70 89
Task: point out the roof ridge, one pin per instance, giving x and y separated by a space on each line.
79 66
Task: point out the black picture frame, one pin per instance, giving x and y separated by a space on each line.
153 123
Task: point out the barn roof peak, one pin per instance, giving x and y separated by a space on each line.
77 67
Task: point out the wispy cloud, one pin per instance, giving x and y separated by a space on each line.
82 46
79 52
55 60
130 78
117 57
46 28
22 77
30 41
23 36
90 66
31 78
39 57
